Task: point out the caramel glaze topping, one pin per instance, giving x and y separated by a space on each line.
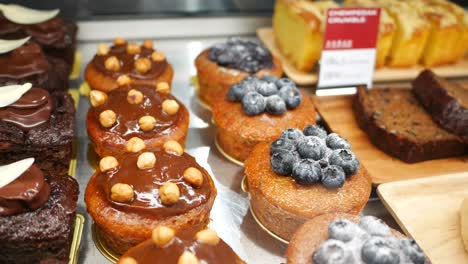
28 192
31 110
148 252
127 63
128 114
24 61
146 184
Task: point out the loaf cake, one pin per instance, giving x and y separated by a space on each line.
399 125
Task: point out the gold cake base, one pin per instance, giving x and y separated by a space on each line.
108 253
75 245
227 156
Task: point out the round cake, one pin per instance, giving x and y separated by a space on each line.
342 238
300 176
126 63
133 118
128 197
221 66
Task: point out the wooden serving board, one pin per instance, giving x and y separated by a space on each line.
338 114
428 211
384 74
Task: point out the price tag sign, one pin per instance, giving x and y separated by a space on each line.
349 47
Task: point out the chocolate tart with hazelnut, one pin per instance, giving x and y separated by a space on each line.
133 118
258 110
221 66
302 175
126 63
345 238
165 246
130 196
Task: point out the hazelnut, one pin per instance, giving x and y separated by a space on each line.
148 43
102 49
134 96
97 98
122 193
108 163
107 118
133 48
173 147
135 144
112 63
169 193
147 123
127 260
158 56
119 41
208 236
143 65
187 258
163 87
170 107
146 160
193 176
162 235
123 80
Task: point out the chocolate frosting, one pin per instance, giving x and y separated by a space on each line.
146 184
31 110
128 114
127 62
148 252
24 61
28 192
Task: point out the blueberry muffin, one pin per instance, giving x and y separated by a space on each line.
301 175
221 66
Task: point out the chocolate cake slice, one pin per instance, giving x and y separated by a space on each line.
447 102
398 124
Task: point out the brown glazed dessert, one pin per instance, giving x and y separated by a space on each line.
400 126
344 238
226 64
447 102
302 175
130 196
126 63
28 63
37 216
133 118
165 247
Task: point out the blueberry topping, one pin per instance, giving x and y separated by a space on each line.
333 177
346 160
311 148
267 88
292 134
334 141
378 250
306 172
316 131
282 162
374 226
253 103
280 145
343 230
291 96
283 82
270 78
275 105
333 252
412 250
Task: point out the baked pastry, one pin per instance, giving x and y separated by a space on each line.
464 222
134 117
447 102
225 64
302 175
126 63
345 238
168 248
28 63
37 215
35 123
398 125
259 110
130 196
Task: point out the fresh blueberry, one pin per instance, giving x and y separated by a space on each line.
412 251
378 250
292 134
345 159
291 96
344 230
333 177
226 58
311 148
306 171
275 105
314 130
285 82
333 251
374 226
266 88
270 78
236 92
282 162
281 144
334 141
253 103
